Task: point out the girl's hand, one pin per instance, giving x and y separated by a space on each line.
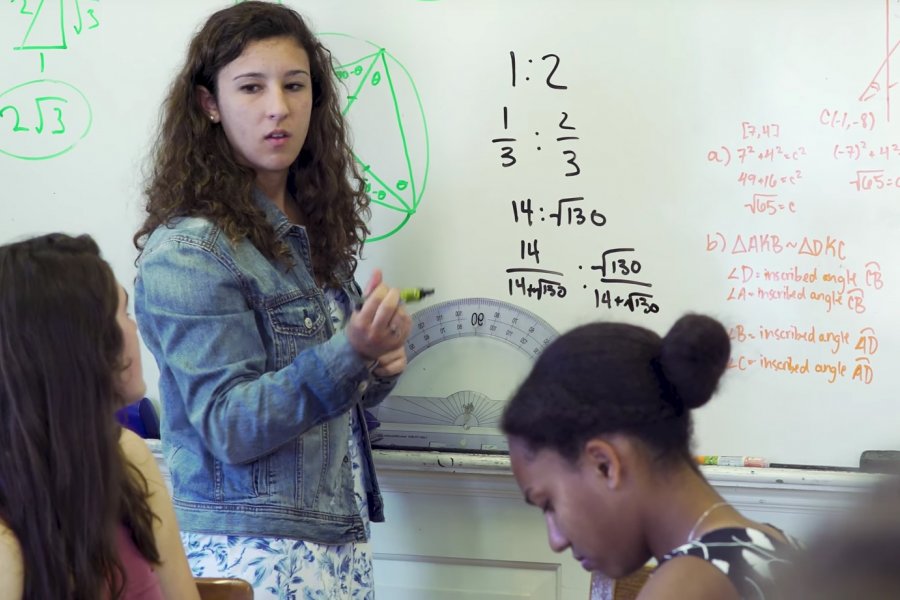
380 327
391 363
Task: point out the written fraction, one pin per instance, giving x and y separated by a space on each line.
615 282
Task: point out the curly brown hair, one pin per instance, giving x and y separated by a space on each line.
194 171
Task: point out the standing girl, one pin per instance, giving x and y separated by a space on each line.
268 350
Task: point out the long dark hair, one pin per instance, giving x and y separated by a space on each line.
619 378
195 173
65 486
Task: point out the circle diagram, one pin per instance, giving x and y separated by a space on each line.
389 131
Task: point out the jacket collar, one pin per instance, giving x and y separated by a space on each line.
274 216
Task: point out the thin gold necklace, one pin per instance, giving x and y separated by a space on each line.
705 514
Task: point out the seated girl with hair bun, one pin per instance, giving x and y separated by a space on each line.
600 440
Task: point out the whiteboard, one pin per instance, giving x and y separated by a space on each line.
735 158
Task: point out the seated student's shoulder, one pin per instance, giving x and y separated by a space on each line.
688 577
139 455
12 573
136 449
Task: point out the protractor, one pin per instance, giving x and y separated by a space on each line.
479 317
466 357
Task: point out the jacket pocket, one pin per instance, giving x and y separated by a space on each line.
242 482
297 322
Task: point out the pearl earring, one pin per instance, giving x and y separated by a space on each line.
212 118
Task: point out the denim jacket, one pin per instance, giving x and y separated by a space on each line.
256 386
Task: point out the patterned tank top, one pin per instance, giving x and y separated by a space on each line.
751 559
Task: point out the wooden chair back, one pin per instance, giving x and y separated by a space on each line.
628 588
223 588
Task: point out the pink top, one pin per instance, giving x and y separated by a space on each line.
141 581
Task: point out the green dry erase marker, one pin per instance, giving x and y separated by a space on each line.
407 295
414 294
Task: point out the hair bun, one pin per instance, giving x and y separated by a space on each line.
693 357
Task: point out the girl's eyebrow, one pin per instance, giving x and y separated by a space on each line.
254 74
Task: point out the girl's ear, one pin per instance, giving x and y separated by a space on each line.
606 459
208 103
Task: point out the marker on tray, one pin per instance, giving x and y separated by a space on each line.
733 461
407 295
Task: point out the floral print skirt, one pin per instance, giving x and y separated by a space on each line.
284 568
